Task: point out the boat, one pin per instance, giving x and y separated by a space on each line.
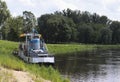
33 49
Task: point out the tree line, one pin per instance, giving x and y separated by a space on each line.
76 26
63 27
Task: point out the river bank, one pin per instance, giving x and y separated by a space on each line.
59 49
9 61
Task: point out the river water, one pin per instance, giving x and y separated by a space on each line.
94 66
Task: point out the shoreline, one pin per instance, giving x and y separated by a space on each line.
59 49
48 73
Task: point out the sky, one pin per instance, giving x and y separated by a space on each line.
109 8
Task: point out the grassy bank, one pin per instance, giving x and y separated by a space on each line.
73 48
8 60
69 48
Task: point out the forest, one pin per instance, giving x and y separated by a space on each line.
64 26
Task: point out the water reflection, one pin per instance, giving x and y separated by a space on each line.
94 66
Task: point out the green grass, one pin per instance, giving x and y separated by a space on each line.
59 49
69 48
104 47
8 60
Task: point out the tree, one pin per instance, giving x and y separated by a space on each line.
115 27
59 29
83 26
74 15
106 36
12 35
74 34
96 32
85 33
4 13
29 21
56 28
95 18
13 28
103 20
42 24
86 17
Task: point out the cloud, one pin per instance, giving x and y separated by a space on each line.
63 5
27 2
51 5
14 14
110 8
118 9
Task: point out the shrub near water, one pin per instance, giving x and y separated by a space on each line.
8 60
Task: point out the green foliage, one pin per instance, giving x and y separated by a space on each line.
61 49
74 26
12 28
29 21
103 20
56 29
85 17
46 72
106 36
4 13
115 27
85 33
7 59
69 48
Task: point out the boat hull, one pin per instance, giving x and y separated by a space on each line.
39 59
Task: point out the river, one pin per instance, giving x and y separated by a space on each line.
93 66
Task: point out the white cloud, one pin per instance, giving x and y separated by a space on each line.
63 5
110 1
27 2
110 8
51 5
118 9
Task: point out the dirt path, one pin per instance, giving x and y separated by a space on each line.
14 76
7 75
22 76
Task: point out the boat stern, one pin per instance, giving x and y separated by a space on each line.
47 59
